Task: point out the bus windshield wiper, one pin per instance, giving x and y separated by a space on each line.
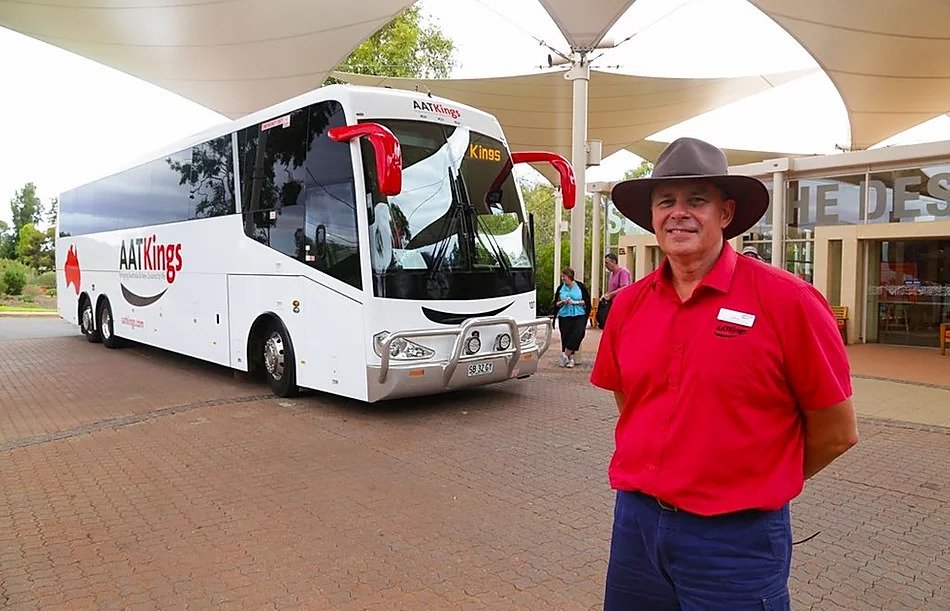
477 223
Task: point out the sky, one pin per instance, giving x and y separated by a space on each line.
69 120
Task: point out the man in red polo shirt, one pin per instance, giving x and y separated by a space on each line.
733 387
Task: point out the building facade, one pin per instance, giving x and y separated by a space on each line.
870 229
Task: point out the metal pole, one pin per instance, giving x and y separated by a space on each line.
606 201
558 216
580 75
778 219
596 267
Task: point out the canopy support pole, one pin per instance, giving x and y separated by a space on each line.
579 74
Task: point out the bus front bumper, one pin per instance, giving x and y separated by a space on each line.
392 379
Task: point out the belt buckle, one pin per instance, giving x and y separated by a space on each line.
664 505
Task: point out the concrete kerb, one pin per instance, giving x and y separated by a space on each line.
29 314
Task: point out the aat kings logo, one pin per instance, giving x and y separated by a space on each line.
145 259
439 109
71 269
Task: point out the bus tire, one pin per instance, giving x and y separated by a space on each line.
107 325
87 320
279 362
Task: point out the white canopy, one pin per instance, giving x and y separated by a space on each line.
889 59
584 24
535 110
233 57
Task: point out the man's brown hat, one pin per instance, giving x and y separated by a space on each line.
692 158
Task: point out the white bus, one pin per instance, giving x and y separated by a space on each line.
364 242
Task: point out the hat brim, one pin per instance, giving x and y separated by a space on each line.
632 199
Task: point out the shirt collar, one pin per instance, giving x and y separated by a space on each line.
718 278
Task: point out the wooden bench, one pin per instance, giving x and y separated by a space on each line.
944 337
841 317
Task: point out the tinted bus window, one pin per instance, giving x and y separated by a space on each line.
297 190
197 182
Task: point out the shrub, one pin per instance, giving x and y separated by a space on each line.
46 280
32 291
13 279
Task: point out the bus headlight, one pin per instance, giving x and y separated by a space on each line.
473 344
528 335
401 348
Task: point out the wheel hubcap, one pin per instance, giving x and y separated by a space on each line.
274 356
87 319
106 324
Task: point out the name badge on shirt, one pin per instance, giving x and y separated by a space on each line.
736 317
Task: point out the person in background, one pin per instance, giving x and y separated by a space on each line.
619 278
751 252
732 386
571 309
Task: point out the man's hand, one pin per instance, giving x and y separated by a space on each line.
829 433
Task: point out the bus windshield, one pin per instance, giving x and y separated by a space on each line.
456 231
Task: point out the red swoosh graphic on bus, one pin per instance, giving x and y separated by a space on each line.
71 269
139 300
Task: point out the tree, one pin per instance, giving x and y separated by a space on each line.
27 208
405 47
53 212
31 248
644 169
7 242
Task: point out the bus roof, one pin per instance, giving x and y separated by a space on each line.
349 95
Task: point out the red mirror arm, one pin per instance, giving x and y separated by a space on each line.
564 169
386 146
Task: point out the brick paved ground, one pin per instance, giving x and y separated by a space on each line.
137 479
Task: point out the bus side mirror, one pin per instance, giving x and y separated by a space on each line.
386 147
564 170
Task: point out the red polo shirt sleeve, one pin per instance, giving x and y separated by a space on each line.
606 373
815 359
606 370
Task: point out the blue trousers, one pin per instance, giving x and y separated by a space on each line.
666 560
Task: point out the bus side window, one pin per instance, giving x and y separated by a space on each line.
274 181
331 199
210 179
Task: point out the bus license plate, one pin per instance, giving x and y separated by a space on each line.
480 369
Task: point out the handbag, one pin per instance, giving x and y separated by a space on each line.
603 310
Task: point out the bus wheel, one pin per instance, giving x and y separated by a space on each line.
106 326
279 363
87 321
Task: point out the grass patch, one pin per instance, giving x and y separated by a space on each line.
5 308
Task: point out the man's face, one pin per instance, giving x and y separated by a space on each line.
609 264
689 216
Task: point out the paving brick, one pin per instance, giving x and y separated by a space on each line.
138 479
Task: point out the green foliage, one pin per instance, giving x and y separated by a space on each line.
12 277
26 207
28 212
405 47
644 169
46 280
31 291
35 248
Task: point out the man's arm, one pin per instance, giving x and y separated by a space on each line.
620 399
829 433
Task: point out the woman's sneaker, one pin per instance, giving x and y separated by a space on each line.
570 363
563 361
